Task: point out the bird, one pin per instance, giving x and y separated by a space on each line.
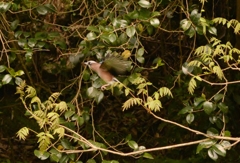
108 68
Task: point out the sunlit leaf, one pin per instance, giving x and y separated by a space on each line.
147 155
212 30
42 10
154 22
91 36
42 155
7 79
14 24
212 154
144 3
219 150
190 118
132 144
112 37
208 107
130 31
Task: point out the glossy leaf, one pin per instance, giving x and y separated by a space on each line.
218 97
91 36
2 68
7 79
212 30
112 37
212 154
212 131
42 10
50 7
206 144
144 3
185 24
130 31
219 150
190 118
140 52
147 155
22 42
91 161
208 107
19 73
32 42
42 155
223 107
4 6
226 144
155 22
132 144
185 110
14 24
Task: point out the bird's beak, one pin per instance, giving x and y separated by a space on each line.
85 63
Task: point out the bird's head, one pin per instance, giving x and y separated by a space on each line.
93 65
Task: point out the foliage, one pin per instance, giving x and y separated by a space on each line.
154 107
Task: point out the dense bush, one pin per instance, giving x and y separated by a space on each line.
178 103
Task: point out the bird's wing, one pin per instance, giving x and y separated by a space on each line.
116 65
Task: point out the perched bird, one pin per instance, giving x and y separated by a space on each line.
107 69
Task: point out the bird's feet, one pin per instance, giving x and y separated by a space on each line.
103 88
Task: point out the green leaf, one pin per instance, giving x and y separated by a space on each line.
112 37
212 30
22 42
91 161
2 68
129 137
198 102
50 7
190 118
17 34
147 155
61 44
141 59
185 24
80 120
190 32
206 144
68 114
19 73
132 144
42 155
208 107
185 110
226 144
91 36
218 97
219 150
93 28
154 22
223 107
4 6
212 131
144 3
140 52
32 42
131 31
14 24
99 97
7 79
28 55
66 144
212 154
42 10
